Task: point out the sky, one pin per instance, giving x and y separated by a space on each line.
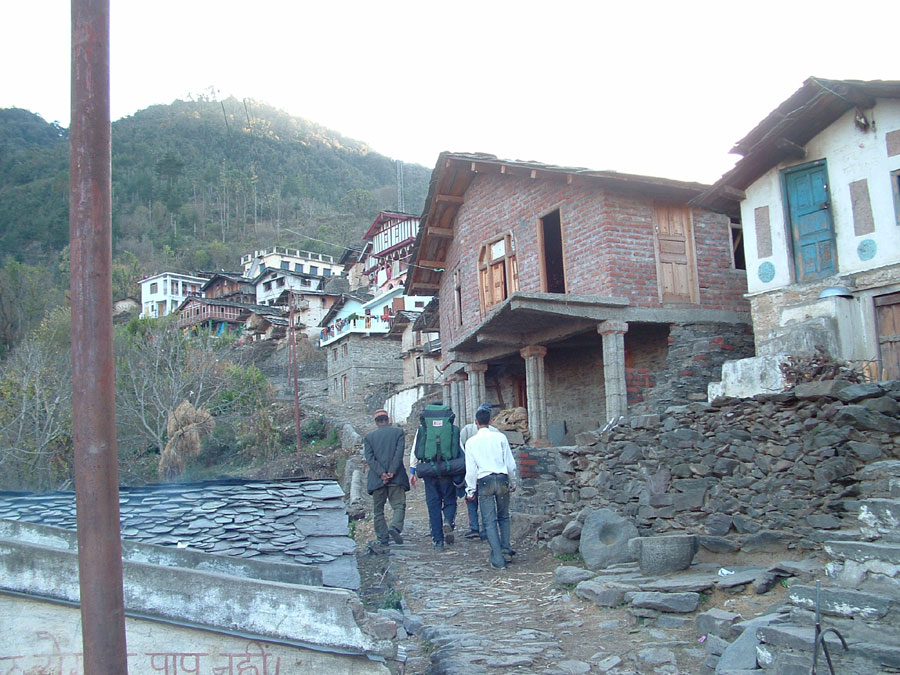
655 88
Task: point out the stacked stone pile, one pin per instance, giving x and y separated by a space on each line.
860 599
756 474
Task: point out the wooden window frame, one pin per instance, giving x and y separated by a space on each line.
490 266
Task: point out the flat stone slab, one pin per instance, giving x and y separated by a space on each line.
861 551
675 603
691 583
798 638
842 602
569 574
741 577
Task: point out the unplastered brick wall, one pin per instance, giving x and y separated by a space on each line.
607 242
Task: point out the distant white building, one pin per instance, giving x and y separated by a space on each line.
162 293
289 260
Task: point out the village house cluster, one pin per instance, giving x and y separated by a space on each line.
582 295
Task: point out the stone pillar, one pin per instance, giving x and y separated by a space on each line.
477 392
534 384
446 396
613 333
458 397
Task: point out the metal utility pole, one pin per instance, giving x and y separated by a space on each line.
93 372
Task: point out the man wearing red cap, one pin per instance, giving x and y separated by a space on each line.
387 482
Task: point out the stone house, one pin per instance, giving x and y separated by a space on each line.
581 295
817 191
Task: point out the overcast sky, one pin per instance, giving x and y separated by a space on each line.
655 88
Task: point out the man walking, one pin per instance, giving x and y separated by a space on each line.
491 471
387 481
476 530
436 459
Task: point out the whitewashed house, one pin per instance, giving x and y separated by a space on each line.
289 259
388 246
161 294
818 194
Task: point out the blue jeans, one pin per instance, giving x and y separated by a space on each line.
474 525
493 500
440 498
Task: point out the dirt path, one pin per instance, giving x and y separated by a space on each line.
479 620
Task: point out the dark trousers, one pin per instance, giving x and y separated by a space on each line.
493 501
440 498
394 495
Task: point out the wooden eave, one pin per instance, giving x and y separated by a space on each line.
785 132
454 173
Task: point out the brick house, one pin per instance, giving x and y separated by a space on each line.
581 295
818 193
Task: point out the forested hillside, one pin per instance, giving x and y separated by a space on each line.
196 184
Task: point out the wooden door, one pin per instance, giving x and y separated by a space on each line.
812 232
887 319
676 264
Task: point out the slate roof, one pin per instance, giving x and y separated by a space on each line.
287 521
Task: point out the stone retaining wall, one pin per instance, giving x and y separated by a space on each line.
770 469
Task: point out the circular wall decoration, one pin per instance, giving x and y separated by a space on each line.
766 272
866 249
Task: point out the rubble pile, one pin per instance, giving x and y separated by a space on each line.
758 474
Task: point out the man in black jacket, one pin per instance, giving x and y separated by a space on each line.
387 482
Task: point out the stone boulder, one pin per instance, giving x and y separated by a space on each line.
604 539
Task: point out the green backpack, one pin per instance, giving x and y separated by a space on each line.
438 439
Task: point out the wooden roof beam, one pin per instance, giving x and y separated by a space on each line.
431 264
452 199
441 232
790 149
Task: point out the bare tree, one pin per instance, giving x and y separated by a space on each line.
158 368
36 416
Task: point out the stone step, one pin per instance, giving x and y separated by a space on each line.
864 551
879 517
842 602
860 657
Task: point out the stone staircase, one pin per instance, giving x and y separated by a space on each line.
860 596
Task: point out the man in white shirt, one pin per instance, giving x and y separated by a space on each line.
491 471
476 530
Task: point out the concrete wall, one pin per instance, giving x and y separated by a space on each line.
45 637
227 614
167 556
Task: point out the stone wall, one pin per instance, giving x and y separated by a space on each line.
368 362
771 468
696 352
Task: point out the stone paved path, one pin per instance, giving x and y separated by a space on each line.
479 620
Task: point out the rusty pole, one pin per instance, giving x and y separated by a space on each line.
93 372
